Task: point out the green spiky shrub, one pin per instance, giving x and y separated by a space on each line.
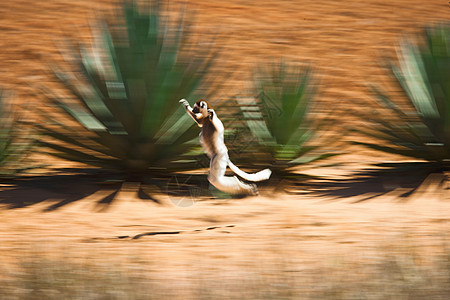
421 129
126 90
281 121
15 141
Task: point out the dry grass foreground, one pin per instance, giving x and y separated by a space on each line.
273 246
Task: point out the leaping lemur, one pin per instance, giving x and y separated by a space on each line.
211 138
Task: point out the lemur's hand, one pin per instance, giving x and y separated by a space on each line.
184 102
211 113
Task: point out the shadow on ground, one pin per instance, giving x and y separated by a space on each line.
71 185
403 179
184 189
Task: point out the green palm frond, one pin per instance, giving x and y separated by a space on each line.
281 118
127 87
15 141
422 131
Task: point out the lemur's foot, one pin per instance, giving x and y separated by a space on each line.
254 190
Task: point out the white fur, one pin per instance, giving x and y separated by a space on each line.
218 153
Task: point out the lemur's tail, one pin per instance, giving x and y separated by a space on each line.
259 176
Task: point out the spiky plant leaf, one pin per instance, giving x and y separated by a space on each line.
15 140
423 130
127 86
280 118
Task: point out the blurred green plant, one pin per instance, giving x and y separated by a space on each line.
281 119
15 141
127 94
422 130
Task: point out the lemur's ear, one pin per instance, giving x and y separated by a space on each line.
203 105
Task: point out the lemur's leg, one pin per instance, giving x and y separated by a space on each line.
190 112
229 184
218 166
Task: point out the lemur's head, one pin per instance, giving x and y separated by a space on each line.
201 106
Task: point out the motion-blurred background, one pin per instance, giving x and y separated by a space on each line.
344 100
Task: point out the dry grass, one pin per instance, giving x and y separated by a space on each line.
399 271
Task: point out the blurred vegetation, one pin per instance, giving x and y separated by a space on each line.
421 129
282 121
126 90
393 272
118 108
15 140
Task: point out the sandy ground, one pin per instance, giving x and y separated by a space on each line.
269 238
343 39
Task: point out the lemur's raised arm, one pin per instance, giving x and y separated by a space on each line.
195 116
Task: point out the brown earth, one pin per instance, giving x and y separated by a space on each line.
343 39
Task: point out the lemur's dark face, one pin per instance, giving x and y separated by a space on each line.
201 106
